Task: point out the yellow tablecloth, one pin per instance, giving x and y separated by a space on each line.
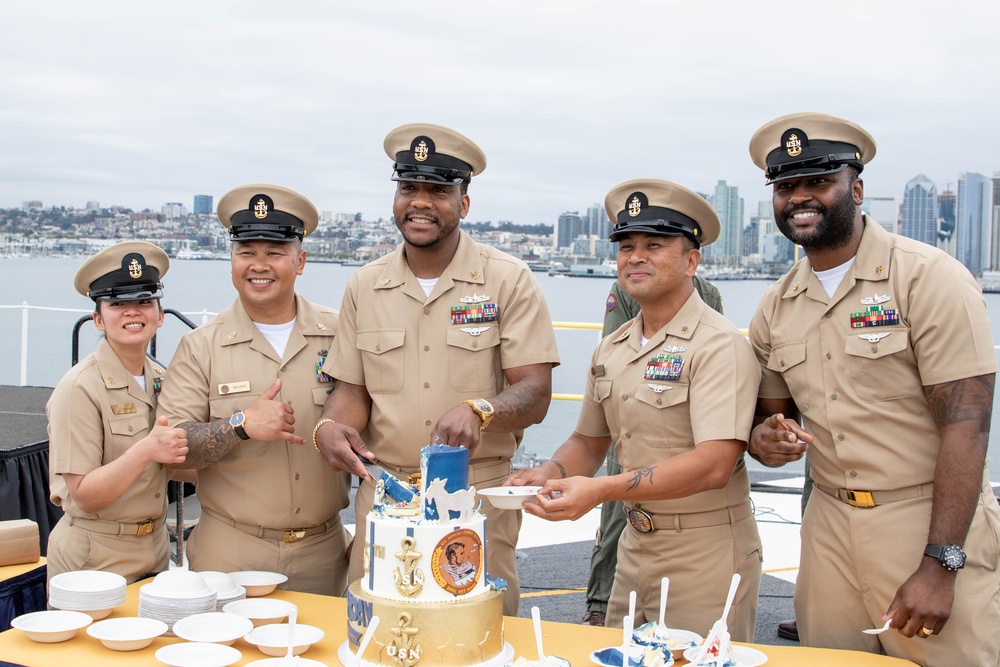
573 642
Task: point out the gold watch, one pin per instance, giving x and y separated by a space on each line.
484 409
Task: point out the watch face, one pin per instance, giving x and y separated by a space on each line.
237 419
484 406
953 557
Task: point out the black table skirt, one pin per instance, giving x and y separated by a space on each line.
22 595
24 488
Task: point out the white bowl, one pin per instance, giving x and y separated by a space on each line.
257 582
213 627
223 584
87 581
273 639
260 612
178 584
50 627
127 634
677 640
510 497
193 654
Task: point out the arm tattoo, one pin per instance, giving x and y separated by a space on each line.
208 442
518 400
970 399
562 470
638 475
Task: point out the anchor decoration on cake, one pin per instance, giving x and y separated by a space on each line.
403 648
410 579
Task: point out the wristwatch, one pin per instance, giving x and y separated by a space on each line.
484 409
237 421
950 556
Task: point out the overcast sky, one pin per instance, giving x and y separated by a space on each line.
140 103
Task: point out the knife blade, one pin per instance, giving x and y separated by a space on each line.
394 488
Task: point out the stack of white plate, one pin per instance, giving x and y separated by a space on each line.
226 589
90 591
175 594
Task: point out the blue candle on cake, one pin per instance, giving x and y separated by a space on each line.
445 463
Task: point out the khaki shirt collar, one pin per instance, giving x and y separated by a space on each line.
116 376
465 266
309 321
682 325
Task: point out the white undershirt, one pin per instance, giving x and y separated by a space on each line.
276 334
428 284
831 278
141 379
642 341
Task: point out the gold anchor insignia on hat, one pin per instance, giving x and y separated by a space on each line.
634 207
880 269
875 300
321 326
420 153
260 209
793 145
475 275
232 335
135 268
383 282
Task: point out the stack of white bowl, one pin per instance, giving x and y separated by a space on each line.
226 589
90 591
175 594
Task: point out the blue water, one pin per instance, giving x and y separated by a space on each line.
193 286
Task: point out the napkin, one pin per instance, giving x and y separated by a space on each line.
18 542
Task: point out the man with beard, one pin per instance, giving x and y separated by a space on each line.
444 341
882 346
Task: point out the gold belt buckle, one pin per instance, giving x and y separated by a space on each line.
145 528
293 535
641 521
860 498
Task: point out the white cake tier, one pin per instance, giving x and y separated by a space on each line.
424 562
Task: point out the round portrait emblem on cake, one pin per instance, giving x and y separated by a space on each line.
458 561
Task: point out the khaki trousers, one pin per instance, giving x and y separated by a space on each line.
76 548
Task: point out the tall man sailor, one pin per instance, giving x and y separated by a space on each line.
881 345
443 340
246 386
674 389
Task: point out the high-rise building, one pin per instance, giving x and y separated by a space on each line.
884 211
995 225
203 204
597 222
919 216
728 204
173 210
973 222
93 206
568 227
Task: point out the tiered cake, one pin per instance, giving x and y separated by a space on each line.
425 578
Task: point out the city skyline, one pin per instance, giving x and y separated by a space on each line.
130 104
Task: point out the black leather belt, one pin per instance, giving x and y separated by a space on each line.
644 522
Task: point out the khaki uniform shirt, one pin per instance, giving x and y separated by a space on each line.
419 356
95 414
860 390
222 367
695 380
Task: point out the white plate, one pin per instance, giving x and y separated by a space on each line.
192 654
127 634
510 497
258 582
87 581
50 627
213 627
346 656
677 640
743 655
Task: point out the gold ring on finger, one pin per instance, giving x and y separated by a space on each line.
925 631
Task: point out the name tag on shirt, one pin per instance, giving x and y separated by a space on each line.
234 387
123 408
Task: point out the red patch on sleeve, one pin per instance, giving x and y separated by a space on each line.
612 302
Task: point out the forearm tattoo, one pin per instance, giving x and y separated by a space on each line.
209 442
562 470
638 475
965 400
518 400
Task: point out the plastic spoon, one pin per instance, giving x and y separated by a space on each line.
289 658
878 631
536 619
369 633
720 625
662 631
631 606
627 636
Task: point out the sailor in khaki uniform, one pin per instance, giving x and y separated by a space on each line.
675 389
881 345
247 388
106 449
444 340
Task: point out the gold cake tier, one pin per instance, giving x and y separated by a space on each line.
426 634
